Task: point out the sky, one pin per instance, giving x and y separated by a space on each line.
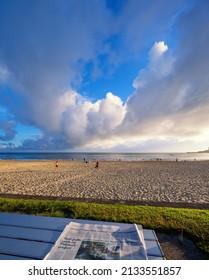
104 75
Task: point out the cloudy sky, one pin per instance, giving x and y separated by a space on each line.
104 75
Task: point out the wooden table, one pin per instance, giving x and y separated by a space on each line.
24 237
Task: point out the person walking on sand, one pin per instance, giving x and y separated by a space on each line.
97 165
57 164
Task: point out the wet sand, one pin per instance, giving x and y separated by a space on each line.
154 183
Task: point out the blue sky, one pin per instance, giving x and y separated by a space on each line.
104 75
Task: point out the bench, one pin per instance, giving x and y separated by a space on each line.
24 237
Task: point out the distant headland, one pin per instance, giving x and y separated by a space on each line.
206 151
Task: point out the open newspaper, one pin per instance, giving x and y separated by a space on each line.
99 242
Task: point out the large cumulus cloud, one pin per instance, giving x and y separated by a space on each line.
172 93
43 57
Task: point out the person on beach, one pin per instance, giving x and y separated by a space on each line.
97 165
56 165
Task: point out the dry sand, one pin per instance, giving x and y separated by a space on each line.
158 182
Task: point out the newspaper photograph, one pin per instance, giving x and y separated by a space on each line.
99 242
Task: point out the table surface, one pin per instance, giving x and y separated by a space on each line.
26 237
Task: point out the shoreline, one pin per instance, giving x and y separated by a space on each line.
154 159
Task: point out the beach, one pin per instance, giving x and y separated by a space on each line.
159 182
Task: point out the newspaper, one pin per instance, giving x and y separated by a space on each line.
99 242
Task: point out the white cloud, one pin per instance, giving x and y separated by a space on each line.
157 51
109 114
83 121
159 65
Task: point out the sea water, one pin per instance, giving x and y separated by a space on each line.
103 156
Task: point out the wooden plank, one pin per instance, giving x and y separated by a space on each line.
149 234
10 257
48 236
24 248
47 229
41 222
30 221
153 248
155 258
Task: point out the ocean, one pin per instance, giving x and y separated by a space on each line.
102 156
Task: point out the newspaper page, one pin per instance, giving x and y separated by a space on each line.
99 242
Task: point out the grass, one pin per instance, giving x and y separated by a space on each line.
194 222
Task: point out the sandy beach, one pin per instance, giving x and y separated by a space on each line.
157 182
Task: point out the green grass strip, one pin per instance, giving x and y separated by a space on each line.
194 222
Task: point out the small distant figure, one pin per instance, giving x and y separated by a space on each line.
97 165
57 165
84 160
177 159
